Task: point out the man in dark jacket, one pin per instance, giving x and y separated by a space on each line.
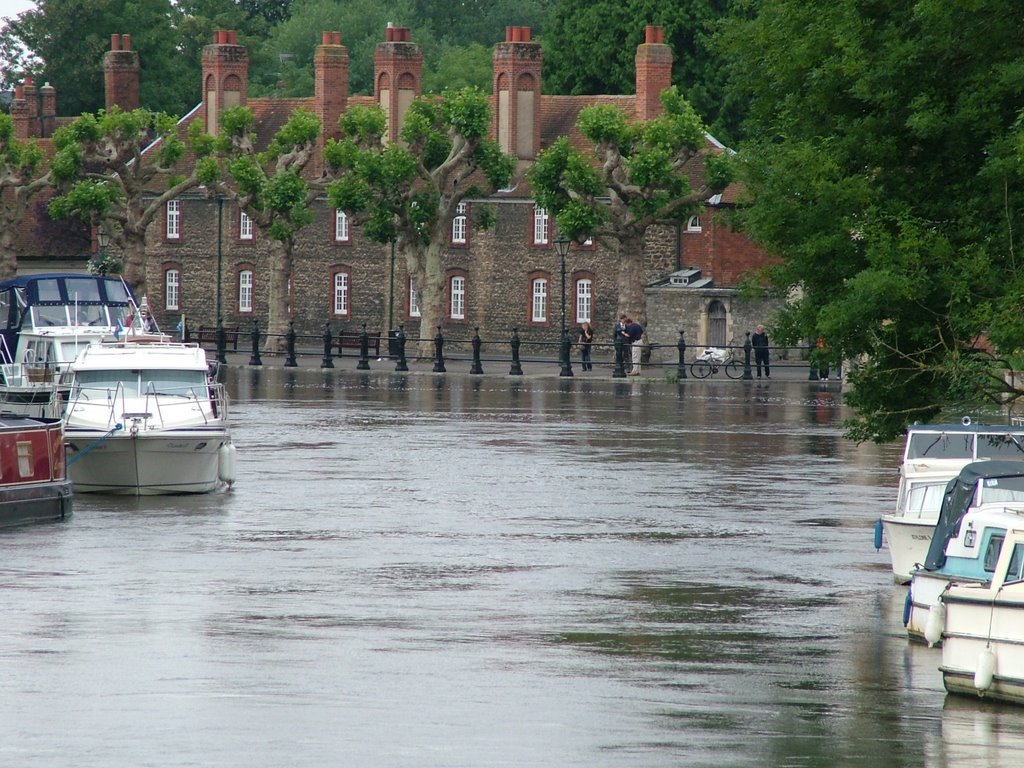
759 341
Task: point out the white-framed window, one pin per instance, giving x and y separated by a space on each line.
172 289
459 225
693 224
341 293
539 303
245 290
584 300
173 230
458 295
340 226
414 302
588 243
244 226
541 226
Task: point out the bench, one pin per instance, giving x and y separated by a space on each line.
207 335
350 340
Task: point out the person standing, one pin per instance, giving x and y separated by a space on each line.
759 341
635 334
620 340
586 339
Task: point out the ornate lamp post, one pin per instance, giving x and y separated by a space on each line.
562 246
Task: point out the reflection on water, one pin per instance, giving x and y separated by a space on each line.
419 570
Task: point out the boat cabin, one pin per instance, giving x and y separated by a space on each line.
964 441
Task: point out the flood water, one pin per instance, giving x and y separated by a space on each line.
423 570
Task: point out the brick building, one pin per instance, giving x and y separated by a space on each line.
205 257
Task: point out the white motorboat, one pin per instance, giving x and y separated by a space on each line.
983 629
45 320
146 418
933 455
980 505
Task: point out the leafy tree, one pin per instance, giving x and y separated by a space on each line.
113 181
22 177
886 174
270 188
460 67
638 174
410 193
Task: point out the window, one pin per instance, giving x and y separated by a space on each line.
540 226
172 285
693 224
244 226
245 290
995 546
340 227
459 226
458 297
584 300
539 303
1015 570
588 242
716 324
25 460
414 302
173 231
341 293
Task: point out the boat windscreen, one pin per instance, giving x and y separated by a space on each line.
940 445
44 316
82 289
1003 446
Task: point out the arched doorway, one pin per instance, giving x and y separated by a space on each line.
716 324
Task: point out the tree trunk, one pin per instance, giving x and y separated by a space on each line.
8 255
426 268
631 280
134 255
277 303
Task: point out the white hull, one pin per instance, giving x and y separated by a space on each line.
155 463
967 637
925 589
908 540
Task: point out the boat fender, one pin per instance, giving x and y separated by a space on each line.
907 606
986 670
226 463
935 624
878 534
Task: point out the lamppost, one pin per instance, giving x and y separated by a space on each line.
392 334
220 253
562 246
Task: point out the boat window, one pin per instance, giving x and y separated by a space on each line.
995 545
108 381
1015 571
48 290
941 445
69 349
174 382
1001 489
1000 446
116 292
49 316
82 289
925 497
5 310
90 314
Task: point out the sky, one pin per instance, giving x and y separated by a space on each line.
14 7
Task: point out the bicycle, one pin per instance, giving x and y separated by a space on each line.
709 363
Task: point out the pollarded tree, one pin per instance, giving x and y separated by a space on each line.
269 187
639 174
122 168
21 178
410 193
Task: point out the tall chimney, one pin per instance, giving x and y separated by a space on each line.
517 66
330 67
48 101
19 112
653 73
398 75
225 76
121 74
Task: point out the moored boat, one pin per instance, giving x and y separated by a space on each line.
933 454
147 419
34 486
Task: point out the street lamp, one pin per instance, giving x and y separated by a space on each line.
102 238
220 253
562 246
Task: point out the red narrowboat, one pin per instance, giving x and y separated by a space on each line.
34 484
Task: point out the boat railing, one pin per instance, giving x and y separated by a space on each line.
159 405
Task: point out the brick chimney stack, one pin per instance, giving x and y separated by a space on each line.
48 102
653 73
121 74
517 66
19 111
330 66
398 75
225 76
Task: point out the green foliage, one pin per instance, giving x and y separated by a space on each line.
88 198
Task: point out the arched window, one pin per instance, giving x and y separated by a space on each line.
172 289
341 295
245 286
539 300
459 225
716 324
693 224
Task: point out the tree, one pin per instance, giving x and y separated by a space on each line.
22 177
409 194
115 181
269 187
885 173
639 174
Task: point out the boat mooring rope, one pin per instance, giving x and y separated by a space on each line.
93 444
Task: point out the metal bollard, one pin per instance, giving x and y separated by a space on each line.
517 368
255 359
327 362
566 354
401 364
289 361
476 368
812 373
681 346
620 371
747 346
222 342
439 352
364 350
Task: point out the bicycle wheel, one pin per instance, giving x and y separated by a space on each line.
700 369
734 370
